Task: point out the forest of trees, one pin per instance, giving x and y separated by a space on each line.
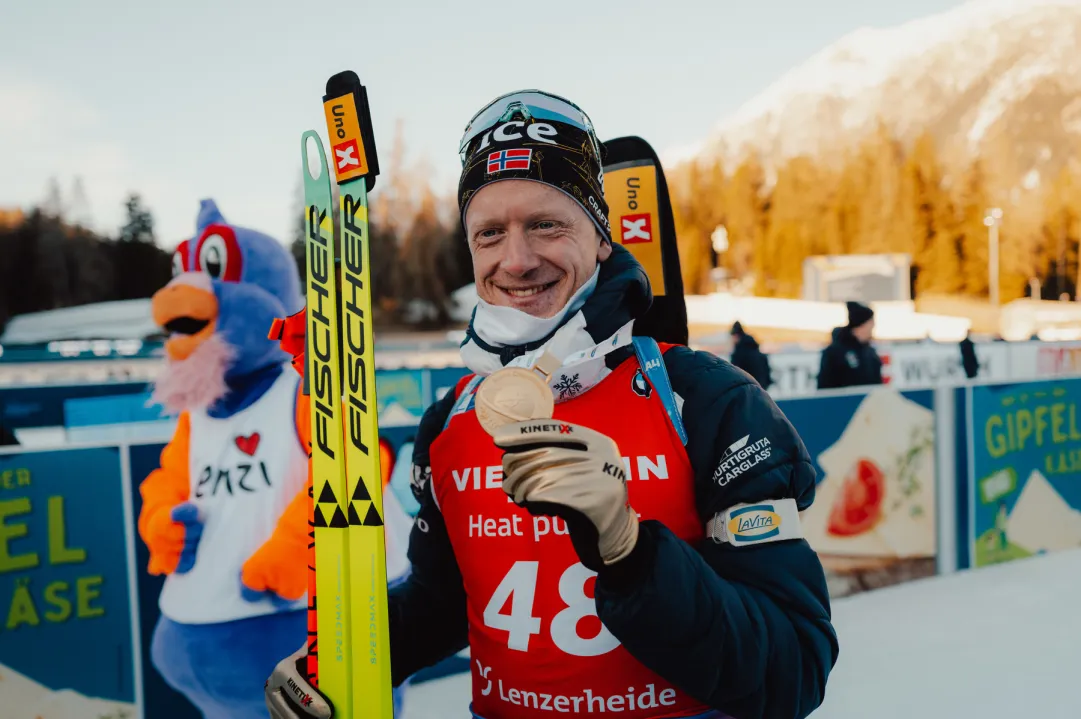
51 261
882 196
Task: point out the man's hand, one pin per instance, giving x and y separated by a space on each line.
572 472
290 696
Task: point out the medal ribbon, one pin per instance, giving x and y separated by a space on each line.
578 371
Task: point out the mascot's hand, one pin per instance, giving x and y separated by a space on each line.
277 571
289 695
172 537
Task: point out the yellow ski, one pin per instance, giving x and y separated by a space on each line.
332 603
356 165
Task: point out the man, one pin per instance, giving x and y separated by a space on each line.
850 360
969 361
748 356
525 540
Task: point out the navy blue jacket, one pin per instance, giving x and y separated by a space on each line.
745 630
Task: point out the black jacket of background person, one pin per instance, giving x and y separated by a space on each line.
968 358
847 362
746 630
748 356
7 437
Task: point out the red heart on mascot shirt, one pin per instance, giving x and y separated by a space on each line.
248 444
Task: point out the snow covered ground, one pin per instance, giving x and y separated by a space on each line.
1000 642
23 698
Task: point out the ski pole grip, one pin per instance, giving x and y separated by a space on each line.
349 124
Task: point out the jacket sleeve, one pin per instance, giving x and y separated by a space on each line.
747 629
877 372
828 376
163 489
764 375
428 609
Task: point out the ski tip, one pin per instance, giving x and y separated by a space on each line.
314 162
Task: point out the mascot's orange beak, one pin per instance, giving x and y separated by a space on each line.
189 312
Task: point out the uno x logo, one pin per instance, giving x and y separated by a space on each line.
345 155
636 228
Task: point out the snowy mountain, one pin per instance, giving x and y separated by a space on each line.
986 72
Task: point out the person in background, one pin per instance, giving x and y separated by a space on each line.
968 356
850 360
748 356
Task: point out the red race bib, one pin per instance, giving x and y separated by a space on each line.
537 646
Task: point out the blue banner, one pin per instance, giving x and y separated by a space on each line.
160 701
44 406
65 586
403 390
873 520
1024 470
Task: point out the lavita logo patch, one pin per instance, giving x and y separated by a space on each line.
754 524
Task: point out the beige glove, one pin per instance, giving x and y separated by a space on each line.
290 696
577 474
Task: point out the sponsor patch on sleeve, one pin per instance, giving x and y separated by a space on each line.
742 455
769 521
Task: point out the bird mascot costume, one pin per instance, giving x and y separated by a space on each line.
225 516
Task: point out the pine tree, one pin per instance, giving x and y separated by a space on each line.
973 232
799 204
746 215
879 173
139 226
1059 248
925 217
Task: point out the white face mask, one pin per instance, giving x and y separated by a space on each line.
502 326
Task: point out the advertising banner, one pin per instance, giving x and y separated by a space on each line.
160 701
911 366
873 518
1024 460
932 365
67 643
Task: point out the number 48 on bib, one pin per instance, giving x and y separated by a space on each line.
518 588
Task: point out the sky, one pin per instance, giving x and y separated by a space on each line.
192 99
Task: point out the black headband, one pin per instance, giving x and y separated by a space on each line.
548 151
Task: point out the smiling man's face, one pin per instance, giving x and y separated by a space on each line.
533 247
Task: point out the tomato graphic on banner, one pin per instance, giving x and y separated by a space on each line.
859 507
873 518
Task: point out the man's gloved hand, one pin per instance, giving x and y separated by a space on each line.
290 696
172 538
577 474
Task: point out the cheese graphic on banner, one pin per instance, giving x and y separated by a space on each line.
1042 520
878 496
23 698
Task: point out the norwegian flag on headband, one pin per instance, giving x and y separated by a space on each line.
509 160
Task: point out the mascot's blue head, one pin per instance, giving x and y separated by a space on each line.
229 283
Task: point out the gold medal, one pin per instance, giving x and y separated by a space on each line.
513 394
